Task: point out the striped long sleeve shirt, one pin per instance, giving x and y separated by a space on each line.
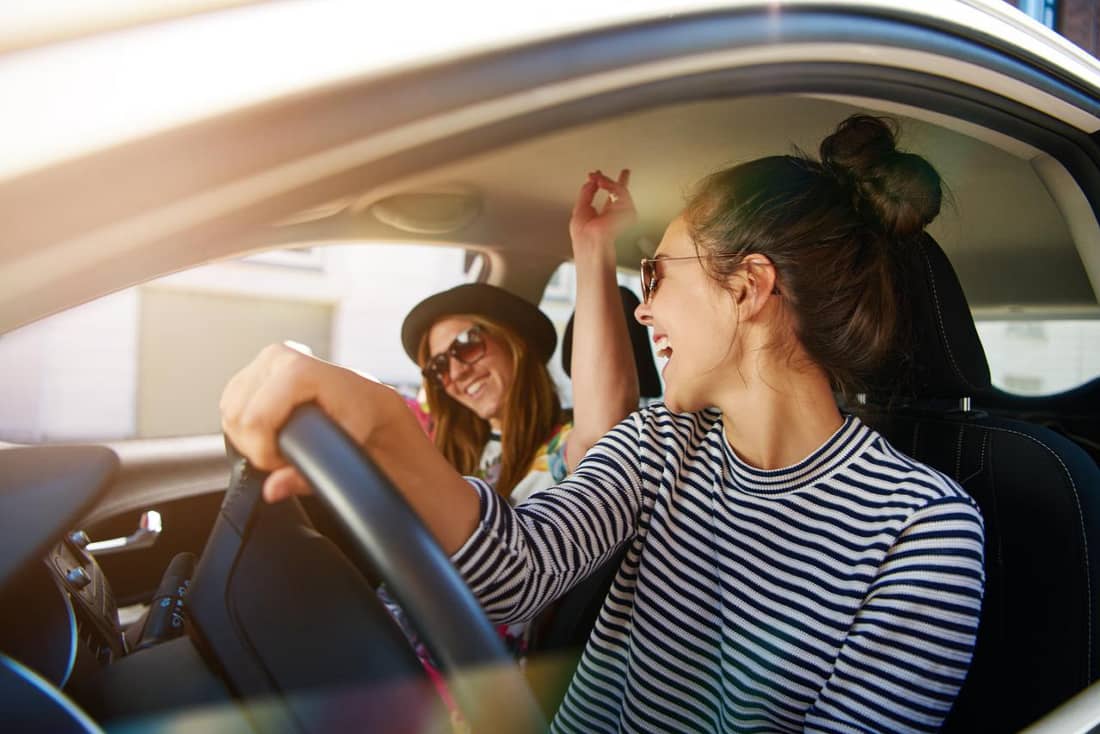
841 594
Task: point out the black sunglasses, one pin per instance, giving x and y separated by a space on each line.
468 347
651 271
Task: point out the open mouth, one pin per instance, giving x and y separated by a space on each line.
664 351
474 388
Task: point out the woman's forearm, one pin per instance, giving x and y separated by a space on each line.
259 399
437 493
605 378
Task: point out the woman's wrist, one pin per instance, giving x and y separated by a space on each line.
366 409
594 250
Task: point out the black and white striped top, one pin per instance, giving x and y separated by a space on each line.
840 594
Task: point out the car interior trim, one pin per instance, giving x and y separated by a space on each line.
54 486
1078 214
1076 715
682 38
588 64
55 696
162 469
973 106
207 88
73 638
1028 39
785 77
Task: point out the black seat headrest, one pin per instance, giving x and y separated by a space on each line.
940 353
649 383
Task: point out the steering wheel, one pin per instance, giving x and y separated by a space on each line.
231 598
387 534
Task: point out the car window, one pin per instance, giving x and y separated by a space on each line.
151 361
558 302
1041 357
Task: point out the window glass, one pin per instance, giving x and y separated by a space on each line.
558 302
1043 356
151 361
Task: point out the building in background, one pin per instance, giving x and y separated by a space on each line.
1077 20
152 361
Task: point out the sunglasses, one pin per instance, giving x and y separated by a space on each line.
468 347
652 273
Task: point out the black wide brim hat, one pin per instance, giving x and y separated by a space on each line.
481 299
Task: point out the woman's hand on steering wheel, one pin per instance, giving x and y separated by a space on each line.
259 399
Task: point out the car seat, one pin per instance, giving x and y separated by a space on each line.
1074 413
649 382
1039 495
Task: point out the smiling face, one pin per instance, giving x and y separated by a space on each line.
482 386
694 325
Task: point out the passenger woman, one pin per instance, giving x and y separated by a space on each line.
494 410
483 351
787 569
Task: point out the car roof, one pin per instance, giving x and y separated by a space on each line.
192 66
266 125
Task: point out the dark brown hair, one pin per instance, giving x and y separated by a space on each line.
530 413
833 229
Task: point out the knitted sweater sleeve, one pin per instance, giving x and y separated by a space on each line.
520 559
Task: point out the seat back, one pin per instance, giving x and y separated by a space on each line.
1074 413
649 382
1039 494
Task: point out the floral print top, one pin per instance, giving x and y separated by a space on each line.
547 469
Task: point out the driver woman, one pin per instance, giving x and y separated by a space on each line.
787 569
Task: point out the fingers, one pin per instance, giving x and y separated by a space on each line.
621 182
617 190
283 483
603 224
583 206
258 400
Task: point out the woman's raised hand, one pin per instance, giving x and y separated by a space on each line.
592 228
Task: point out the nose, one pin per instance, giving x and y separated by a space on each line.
456 368
643 314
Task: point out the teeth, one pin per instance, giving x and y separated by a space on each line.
663 349
474 387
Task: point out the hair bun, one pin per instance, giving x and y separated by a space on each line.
900 191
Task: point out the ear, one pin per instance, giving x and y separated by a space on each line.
757 275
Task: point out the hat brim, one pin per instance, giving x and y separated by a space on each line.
481 299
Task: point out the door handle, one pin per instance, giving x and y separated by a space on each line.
148 530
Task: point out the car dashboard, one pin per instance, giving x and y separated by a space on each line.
60 616
65 655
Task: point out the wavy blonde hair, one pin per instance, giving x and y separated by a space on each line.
530 413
